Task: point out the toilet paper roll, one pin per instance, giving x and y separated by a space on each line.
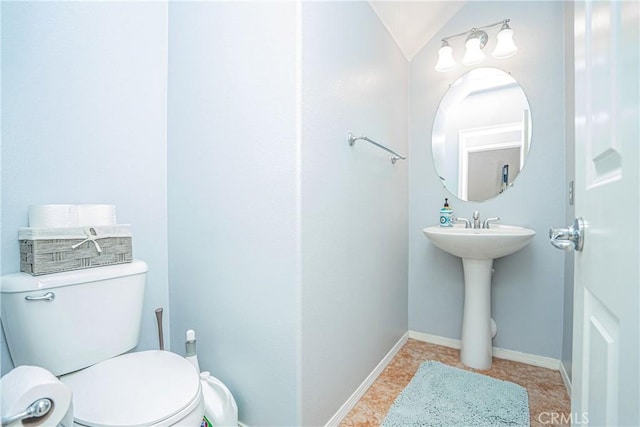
96 215
53 216
24 385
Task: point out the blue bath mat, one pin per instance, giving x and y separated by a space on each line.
440 395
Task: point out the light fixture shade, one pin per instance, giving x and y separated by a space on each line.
473 55
505 47
445 58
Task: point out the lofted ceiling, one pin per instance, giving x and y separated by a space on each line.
413 23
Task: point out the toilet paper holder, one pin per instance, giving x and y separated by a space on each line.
39 408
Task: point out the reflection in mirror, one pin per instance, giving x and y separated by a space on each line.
481 134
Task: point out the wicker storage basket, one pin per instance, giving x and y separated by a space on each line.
53 250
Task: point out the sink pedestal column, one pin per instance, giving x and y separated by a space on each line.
476 346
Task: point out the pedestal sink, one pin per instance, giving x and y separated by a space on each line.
478 247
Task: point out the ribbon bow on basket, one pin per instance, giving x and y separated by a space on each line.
92 236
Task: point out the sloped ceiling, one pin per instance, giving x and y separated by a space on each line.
413 23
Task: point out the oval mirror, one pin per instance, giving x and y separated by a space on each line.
481 134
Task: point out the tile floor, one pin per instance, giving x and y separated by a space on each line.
547 393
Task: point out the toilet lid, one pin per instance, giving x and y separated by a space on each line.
135 389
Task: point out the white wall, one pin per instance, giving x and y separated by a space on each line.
527 291
233 220
83 121
354 202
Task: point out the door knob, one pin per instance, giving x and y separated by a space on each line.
568 238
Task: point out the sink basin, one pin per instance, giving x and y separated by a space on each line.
484 243
478 248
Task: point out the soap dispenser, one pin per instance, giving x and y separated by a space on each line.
446 215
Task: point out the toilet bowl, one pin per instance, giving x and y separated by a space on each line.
80 325
148 388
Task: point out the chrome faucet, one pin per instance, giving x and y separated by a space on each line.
476 219
467 223
486 222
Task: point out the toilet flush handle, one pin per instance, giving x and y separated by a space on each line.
49 296
39 408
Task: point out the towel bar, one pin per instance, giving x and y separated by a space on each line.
395 157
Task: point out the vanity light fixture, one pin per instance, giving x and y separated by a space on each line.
506 47
445 58
475 42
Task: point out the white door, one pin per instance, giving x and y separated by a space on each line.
606 355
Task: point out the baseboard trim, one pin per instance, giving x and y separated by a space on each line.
500 353
435 339
565 379
361 390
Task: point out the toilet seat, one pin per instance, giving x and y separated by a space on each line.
135 389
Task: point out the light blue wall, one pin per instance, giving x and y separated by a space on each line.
89 89
290 291
354 202
233 220
83 121
528 287
288 255
567 335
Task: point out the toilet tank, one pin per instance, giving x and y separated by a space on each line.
68 321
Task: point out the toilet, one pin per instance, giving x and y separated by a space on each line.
80 325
